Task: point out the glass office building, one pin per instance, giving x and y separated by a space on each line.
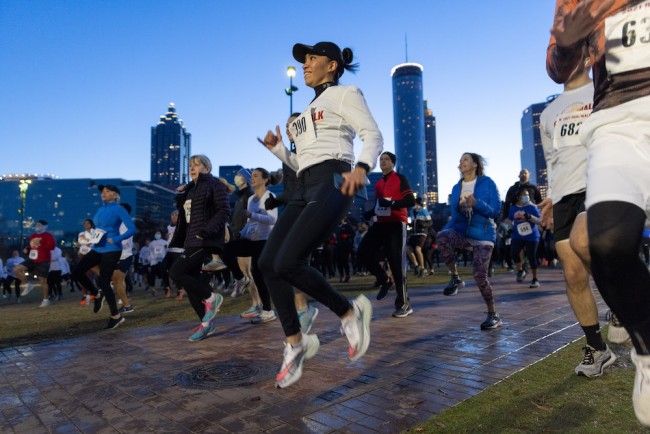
532 152
431 152
66 203
408 116
170 151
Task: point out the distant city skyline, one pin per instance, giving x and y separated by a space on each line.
85 81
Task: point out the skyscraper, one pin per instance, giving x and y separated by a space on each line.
532 152
431 154
408 116
170 150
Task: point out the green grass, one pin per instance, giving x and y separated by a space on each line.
545 397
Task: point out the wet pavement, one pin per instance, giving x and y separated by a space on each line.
152 379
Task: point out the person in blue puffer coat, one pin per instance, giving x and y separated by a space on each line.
475 204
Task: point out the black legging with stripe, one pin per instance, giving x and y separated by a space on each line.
311 215
387 240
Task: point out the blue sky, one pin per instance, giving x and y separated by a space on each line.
84 81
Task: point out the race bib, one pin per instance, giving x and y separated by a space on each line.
382 211
84 249
158 251
567 126
303 128
627 40
187 206
96 235
524 229
33 255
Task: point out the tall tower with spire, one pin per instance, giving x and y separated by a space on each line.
170 150
408 116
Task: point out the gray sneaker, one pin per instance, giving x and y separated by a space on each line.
492 321
403 311
307 317
594 362
521 275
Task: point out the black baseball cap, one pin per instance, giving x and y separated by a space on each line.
110 187
329 49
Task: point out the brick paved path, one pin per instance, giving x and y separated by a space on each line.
127 380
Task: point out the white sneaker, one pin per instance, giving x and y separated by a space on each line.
265 316
616 333
641 393
27 289
45 303
357 328
291 369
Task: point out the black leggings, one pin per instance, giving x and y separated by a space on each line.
531 251
243 247
186 271
309 218
392 237
615 231
107 264
54 282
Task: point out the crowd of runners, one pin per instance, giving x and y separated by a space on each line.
282 250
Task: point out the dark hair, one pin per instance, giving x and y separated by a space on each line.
418 201
127 207
346 65
480 162
271 178
92 223
294 115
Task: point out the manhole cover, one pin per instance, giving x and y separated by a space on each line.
227 374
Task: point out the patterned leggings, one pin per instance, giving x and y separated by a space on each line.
449 240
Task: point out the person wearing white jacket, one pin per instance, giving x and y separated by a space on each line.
323 135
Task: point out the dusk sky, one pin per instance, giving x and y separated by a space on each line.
83 82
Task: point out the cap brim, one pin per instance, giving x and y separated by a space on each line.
300 51
100 187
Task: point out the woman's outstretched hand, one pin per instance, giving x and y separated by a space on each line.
270 140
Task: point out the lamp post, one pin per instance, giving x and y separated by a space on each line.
291 72
23 186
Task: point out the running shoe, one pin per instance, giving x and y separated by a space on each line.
83 301
126 309
27 289
641 393
294 356
455 283
385 288
203 331
403 311
241 286
534 284
264 317
211 308
45 303
616 333
252 311
307 317
214 265
492 321
357 328
521 275
420 273
595 361
114 322
99 303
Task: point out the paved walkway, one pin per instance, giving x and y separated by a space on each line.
136 380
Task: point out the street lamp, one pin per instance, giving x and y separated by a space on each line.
23 186
291 72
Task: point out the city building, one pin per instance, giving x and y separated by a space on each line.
430 146
532 152
66 203
408 117
170 150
